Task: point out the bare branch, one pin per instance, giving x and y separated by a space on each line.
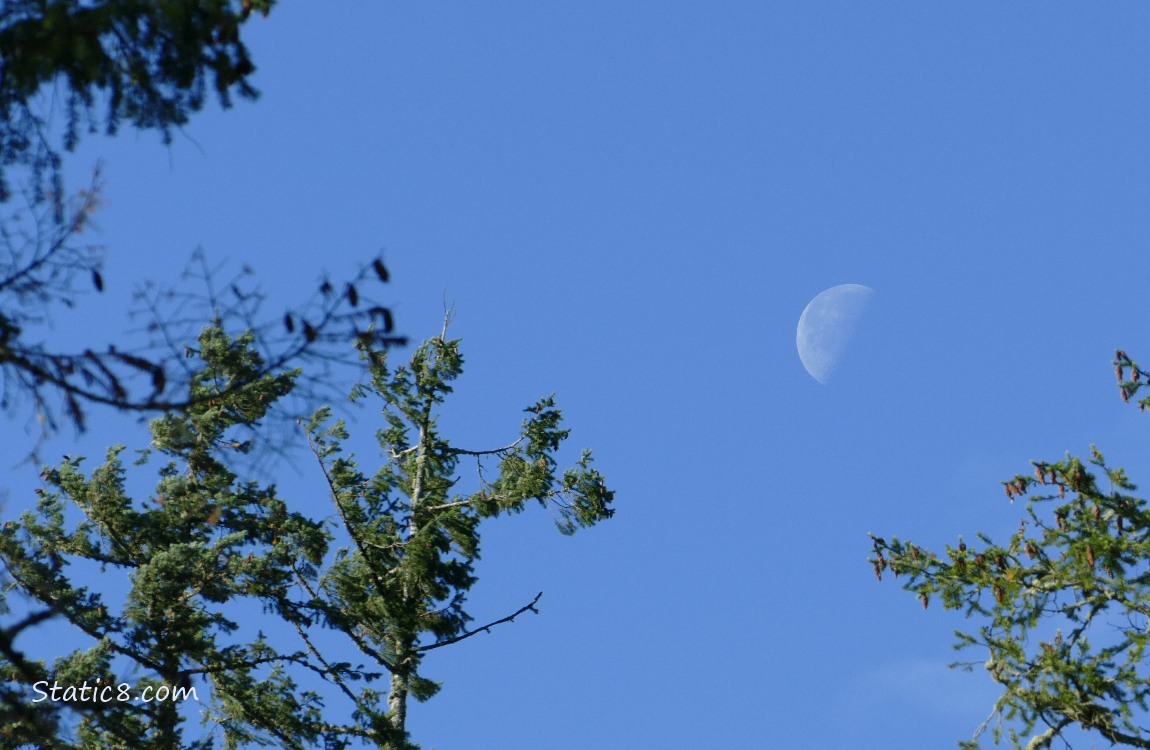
486 628
493 452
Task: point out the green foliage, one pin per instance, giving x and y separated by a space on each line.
151 62
387 575
1065 601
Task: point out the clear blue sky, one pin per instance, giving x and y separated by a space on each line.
630 204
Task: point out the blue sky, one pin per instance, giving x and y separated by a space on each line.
630 204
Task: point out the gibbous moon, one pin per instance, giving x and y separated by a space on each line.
827 325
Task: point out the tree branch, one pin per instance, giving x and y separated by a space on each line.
486 628
492 452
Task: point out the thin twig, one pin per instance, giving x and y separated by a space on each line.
486 628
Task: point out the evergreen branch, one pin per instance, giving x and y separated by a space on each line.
484 629
8 640
329 674
355 638
1045 738
232 664
352 531
113 534
542 497
70 604
493 452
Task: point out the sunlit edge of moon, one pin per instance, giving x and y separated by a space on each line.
826 326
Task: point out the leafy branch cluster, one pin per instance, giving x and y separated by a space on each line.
151 62
1065 601
207 541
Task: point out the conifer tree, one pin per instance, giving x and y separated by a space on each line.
1064 603
351 600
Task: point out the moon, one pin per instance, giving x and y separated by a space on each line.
827 325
